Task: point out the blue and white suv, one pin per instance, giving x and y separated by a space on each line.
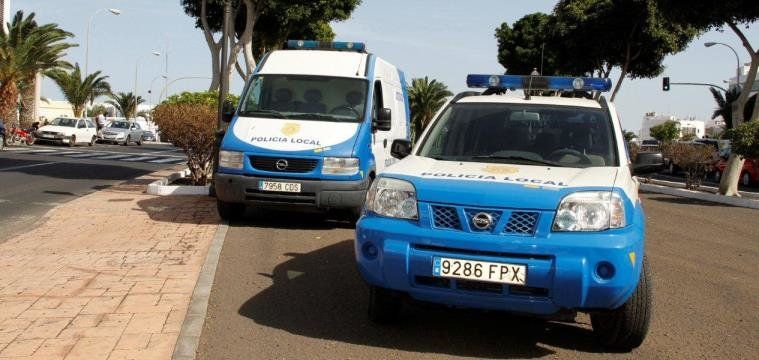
518 203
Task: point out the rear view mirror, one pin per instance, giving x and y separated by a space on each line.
524 116
648 163
227 111
384 120
400 148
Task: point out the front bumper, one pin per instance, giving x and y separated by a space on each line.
53 138
561 267
315 194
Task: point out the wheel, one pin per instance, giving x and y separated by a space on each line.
72 141
625 328
30 140
11 140
717 176
745 179
127 140
92 142
139 142
384 304
230 211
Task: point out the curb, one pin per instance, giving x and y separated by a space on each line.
700 195
161 187
702 188
192 326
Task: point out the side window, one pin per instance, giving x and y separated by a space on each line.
80 124
137 126
377 102
89 124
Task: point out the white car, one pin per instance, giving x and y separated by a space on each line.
68 131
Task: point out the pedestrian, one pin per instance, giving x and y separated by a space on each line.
100 120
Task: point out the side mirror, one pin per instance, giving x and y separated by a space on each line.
400 148
227 111
648 163
384 120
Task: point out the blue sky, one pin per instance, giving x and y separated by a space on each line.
443 39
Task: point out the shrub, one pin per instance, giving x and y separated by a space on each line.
665 132
695 160
191 127
745 139
204 97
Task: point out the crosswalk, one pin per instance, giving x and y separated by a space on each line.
156 158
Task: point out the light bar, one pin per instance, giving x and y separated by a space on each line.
326 45
538 82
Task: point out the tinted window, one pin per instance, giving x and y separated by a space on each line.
89 123
64 122
517 133
119 125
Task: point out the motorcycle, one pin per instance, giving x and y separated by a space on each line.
20 135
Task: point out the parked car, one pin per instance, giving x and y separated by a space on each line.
123 132
148 136
749 173
68 131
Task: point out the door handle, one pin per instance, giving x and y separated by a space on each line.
384 143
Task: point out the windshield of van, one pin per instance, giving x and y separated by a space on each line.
64 122
305 97
522 134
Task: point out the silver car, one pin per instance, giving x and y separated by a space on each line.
123 132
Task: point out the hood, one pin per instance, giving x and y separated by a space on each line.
56 128
291 135
498 185
116 130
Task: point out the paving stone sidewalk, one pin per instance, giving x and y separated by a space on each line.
107 276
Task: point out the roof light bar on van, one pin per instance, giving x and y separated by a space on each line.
326 45
538 82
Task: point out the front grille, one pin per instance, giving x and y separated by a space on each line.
522 223
433 281
280 197
293 165
446 217
471 213
527 291
479 286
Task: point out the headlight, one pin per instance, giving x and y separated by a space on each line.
392 198
120 135
340 166
590 211
230 159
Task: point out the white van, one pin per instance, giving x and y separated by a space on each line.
313 127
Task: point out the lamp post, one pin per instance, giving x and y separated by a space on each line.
737 60
136 67
87 44
150 92
163 92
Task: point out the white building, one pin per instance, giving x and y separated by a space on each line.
744 74
687 126
5 11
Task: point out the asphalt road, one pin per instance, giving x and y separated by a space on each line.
286 287
34 179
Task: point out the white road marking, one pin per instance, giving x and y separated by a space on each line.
111 157
163 161
84 155
141 158
26 166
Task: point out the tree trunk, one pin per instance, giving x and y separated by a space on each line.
28 104
215 67
8 102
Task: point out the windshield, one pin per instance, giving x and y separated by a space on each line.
64 122
119 125
522 134
305 97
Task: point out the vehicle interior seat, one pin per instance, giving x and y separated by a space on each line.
354 98
313 102
283 100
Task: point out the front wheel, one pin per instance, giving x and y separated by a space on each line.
72 141
626 327
30 140
384 304
12 140
92 141
127 140
230 211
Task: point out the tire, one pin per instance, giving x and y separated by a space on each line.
745 178
92 142
230 211
72 141
30 140
11 140
626 327
384 305
139 142
127 140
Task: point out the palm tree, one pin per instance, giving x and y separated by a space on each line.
725 105
78 90
26 49
426 97
126 103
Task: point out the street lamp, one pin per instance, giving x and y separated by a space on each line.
163 92
87 45
150 92
737 59
137 66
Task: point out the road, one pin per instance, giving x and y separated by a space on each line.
286 287
35 179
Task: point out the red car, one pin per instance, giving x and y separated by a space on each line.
749 174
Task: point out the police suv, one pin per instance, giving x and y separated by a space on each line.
314 125
525 204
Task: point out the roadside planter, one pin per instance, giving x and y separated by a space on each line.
164 186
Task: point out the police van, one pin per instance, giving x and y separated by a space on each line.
524 203
313 128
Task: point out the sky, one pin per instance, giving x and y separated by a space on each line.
442 39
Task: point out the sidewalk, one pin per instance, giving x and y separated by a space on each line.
107 276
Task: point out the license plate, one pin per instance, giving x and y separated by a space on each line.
479 270
279 186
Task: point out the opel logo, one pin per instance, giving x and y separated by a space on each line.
281 164
482 221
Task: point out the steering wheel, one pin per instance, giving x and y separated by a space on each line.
340 110
584 159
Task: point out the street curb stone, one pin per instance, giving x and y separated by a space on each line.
189 335
162 188
699 195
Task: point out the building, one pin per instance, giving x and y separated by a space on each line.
51 109
687 126
744 74
5 11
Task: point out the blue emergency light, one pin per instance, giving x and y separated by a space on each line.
538 82
326 45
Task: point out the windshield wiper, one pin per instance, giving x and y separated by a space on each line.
263 111
322 117
520 159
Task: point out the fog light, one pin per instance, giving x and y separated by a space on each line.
605 270
369 250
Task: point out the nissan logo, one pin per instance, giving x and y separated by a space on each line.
482 221
281 164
